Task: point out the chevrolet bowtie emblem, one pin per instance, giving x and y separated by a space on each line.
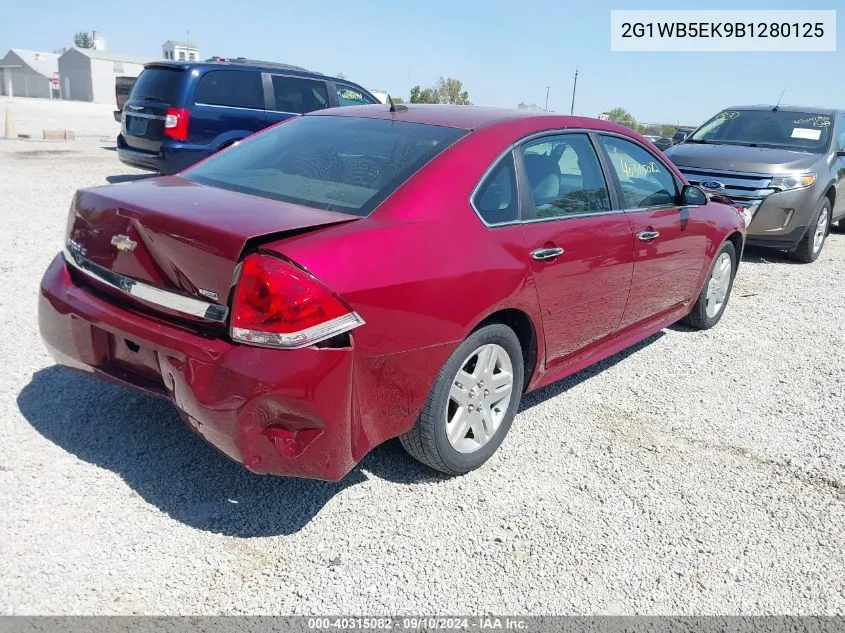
123 243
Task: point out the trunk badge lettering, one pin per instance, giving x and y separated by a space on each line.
123 243
208 293
76 247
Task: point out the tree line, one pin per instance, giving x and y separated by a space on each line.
623 117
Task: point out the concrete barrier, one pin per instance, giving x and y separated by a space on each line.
9 128
59 135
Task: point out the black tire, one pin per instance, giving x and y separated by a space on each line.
698 317
427 441
805 251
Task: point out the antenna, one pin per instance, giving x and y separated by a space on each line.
392 105
779 100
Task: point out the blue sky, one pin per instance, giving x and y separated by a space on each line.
504 51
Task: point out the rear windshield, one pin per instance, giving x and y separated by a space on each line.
780 129
337 163
159 84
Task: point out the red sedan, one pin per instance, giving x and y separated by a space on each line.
364 273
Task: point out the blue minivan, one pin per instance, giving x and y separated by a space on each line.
179 112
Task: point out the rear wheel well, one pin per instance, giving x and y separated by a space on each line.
521 324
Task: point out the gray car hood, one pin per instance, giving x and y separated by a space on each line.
761 160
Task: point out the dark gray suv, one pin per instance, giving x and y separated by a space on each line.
785 165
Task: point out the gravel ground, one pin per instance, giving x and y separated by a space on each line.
697 473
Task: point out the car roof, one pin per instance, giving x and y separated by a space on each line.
788 108
237 64
466 117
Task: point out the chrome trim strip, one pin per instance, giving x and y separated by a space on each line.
559 132
143 115
481 181
150 294
511 148
215 105
573 216
297 340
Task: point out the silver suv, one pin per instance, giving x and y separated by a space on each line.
784 164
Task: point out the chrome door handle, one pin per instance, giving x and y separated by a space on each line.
648 236
545 254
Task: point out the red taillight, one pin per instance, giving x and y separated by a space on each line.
176 123
279 305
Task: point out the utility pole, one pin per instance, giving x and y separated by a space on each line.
547 98
574 86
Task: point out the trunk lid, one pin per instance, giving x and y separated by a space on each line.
178 236
157 89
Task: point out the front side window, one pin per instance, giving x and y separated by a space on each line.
645 180
337 163
298 95
496 200
779 129
564 176
232 88
347 96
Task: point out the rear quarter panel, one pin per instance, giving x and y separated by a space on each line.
422 271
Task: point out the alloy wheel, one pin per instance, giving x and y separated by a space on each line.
718 285
821 230
479 398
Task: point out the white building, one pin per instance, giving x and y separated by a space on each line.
180 51
29 74
379 94
87 74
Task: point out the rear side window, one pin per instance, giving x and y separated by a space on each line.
160 84
349 96
496 200
231 88
565 176
298 95
337 163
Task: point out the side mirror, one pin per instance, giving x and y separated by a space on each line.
692 196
